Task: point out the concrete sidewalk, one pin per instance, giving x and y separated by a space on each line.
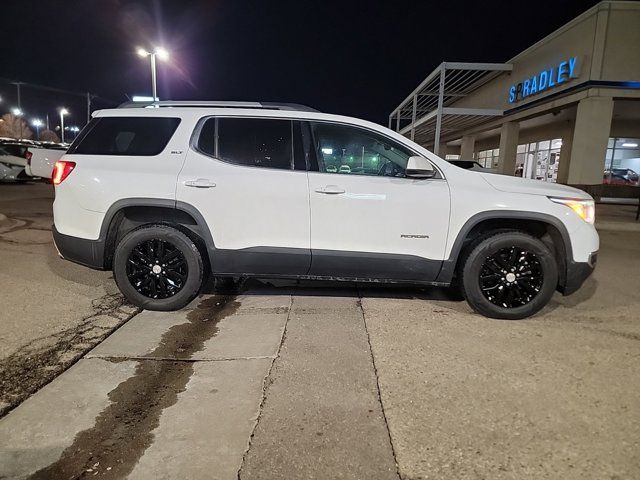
178 395
322 416
163 385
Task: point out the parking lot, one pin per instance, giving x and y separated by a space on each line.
309 380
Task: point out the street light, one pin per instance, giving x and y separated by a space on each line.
36 122
63 112
163 55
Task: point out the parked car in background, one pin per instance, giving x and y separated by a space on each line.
9 169
43 156
14 153
621 176
14 157
29 158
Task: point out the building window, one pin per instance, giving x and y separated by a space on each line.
539 160
488 158
622 163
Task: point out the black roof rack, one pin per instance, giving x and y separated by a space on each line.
199 104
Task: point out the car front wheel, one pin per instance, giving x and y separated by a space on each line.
509 275
157 267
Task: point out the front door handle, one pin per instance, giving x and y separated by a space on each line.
330 190
200 183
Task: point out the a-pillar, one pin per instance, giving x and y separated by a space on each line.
590 138
509 134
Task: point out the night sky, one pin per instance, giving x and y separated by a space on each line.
354 58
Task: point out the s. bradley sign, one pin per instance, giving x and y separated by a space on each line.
544 80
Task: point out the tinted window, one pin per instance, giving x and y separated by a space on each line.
135 136
255 142
348 150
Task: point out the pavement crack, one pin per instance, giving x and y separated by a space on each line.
265 386
123 431
375 371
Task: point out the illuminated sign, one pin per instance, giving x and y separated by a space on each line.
546 79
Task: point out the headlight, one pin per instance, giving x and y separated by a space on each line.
585 209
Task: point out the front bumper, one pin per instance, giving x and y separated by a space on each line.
89 253
577 273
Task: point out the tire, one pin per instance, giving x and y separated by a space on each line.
508 275
143 277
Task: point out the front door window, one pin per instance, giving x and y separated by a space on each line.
354 151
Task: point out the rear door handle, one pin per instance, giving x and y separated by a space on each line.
330 190
200 183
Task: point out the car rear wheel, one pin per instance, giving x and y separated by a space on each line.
157 267
509 275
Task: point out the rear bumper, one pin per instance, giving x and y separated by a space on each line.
89 253
577 273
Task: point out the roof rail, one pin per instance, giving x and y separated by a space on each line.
219 104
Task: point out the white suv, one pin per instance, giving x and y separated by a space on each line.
165 195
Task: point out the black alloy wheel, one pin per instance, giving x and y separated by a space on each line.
157 269
508 274
511 277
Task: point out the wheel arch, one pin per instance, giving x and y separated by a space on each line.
548 228
128 214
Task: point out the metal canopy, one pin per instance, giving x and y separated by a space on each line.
427 113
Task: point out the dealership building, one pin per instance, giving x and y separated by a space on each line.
565 110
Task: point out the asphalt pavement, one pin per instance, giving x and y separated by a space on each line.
311 380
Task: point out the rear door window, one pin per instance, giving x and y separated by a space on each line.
256 142
132 136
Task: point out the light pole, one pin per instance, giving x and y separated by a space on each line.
63 112
160 53
18 113
36 122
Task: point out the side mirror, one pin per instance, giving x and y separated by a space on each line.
419 167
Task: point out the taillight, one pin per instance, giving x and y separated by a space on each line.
61 170
28 155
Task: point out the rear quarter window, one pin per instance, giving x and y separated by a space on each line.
134 136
